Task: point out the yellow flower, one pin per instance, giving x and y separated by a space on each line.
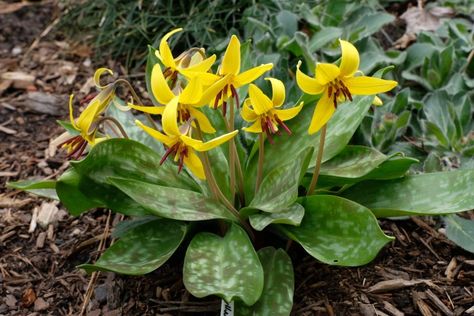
187 99
86 123
183 63
338 83
258 108
179 142
229 77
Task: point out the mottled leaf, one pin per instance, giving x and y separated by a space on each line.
460 231
172 203
45 188
291 216
424 194
225 266
338 231
279 188
128 159
277 295
141 249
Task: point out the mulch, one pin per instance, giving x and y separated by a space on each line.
420 273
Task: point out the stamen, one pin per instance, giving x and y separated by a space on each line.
330 91
168 152
235 95
287 130
217 99
224 108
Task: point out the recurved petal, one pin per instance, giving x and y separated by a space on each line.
211 92
349 59
159 87
368 85
256 127
98 73
260 102
202 66
216 141
203 121
170 118
88 116
192 93
288 114
165 51
306 83
326 73
247 113
231 60
71 112
147 109
250 75
194 164
162 138
323 112
278 91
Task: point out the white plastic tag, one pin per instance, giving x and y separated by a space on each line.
227 309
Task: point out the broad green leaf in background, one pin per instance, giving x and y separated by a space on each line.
172 203
323 37
290 216
225 266
424 194
277 295
79 194
337 231
44 188
128 159
461 231
279 188
141 249
340 129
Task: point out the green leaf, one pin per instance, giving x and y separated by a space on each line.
128 159
291 216
279 188
425 194
353 162
338 231
79 194
225 266
44 188
172 203
340 129
323 37
277 295
67 125
142 249
460 231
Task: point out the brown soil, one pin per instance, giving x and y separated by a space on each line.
38 274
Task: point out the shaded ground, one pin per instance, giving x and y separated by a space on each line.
425 273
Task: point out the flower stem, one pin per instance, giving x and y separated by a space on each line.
261 155
317 168
116 123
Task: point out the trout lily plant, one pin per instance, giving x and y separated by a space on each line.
217 163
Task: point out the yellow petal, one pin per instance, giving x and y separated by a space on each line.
288 114
192 94
89 115
202 66
278 91
200 146
231 60
71 112
162 138
326 73
170 118
368 85
323 112
194 164
247 113
98 73
148 109
203 121
260 102
165 51
254 128
159 87
211 92
250 75
349 59
377 101
306 83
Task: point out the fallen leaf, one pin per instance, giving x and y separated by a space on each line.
28 297
391 285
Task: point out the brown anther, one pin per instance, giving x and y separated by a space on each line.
280 122
170 150
235 95
217 99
